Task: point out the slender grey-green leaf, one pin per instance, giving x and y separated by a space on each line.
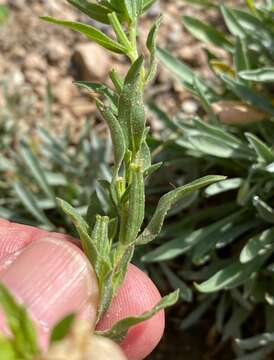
36 170
259 75
167 201
207 33
241 59
257 245
147 4
31 203
231 276
255 342
120 329
232 22
100 89
253 98
182 72
94 11
83 229
223 186
136 205
177 283
151 45
225 230
265 154
91 32
117 136
217 147
265 211
131 110
134 8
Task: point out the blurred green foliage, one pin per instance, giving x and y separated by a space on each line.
223 242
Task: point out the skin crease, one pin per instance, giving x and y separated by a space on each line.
52 276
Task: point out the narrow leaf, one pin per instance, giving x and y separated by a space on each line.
264 153
259 75
62 328
264 210
223 186
206 33
257 245
36 170
251 97
231 276
167 201
91 32
31 203
131 110
117 137
120 329
94 11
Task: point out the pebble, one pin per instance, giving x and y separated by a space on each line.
92 61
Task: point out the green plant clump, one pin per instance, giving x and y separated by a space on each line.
227 248
113 227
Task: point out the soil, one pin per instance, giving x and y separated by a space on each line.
39 62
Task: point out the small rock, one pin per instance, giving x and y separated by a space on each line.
17 78
92 62
81 107
190 106
18 4
155 10
53 75
56 51
64 91
35 61
35 78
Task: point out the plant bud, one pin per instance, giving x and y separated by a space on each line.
236 112
80 344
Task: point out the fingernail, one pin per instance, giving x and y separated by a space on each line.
52 278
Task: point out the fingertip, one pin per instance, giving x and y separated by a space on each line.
137 295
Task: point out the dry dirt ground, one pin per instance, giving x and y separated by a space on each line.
38 64
38 59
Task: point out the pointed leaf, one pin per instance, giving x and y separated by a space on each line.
117 136
206 33
167 201
182 72
251 97
62 328
231 276
36 170
91 32
94 11
151 45
100 89
223 186
120 329
83 230
265 211
136 206
131 110
257 245
259 75
264 153
134 8
31 203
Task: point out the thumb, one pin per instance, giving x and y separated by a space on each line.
52 278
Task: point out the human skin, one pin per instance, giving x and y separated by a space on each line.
52 277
